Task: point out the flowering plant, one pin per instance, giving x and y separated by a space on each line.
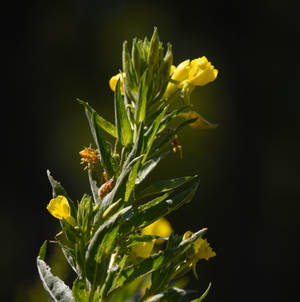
116 239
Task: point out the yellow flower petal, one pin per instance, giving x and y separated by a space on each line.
59 207
203 249
181 73
144 249
201 72
114 80
172 69
160 227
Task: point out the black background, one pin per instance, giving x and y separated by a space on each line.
55 51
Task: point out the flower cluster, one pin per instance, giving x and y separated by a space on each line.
117 239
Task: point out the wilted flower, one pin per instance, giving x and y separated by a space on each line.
89 156
200 122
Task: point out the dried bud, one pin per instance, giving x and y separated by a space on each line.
106 188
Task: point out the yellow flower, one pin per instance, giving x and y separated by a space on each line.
202 247
172 69
197 72
59 208
114 80
181 72
144 249
201 72
160 227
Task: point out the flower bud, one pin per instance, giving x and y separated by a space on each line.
106 188
114 80
59 208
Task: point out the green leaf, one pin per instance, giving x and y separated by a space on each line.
203 295
136 58
70 257
140 110
149 166
168 138
164 186
135 239
43 249
136 151
131 181
124 131
152 131
104 124
119 189
127 66
94 184
56 288
152 210
155 261
106 159
95 262
153 49
169 117
173 294
79 292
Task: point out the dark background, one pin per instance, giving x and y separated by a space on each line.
55 51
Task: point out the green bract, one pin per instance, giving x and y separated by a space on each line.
108 223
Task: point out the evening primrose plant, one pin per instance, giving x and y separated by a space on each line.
116 238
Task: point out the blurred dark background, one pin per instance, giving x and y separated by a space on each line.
56 51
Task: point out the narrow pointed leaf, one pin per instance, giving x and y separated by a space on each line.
56 288
104 124
79 292
43 249
151 133
140 110
96 269
124 131
168 138
104 150
149 166
203 295
155 261
152 210
94 185
163 186
119 189
173 294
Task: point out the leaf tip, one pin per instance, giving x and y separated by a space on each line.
43 250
